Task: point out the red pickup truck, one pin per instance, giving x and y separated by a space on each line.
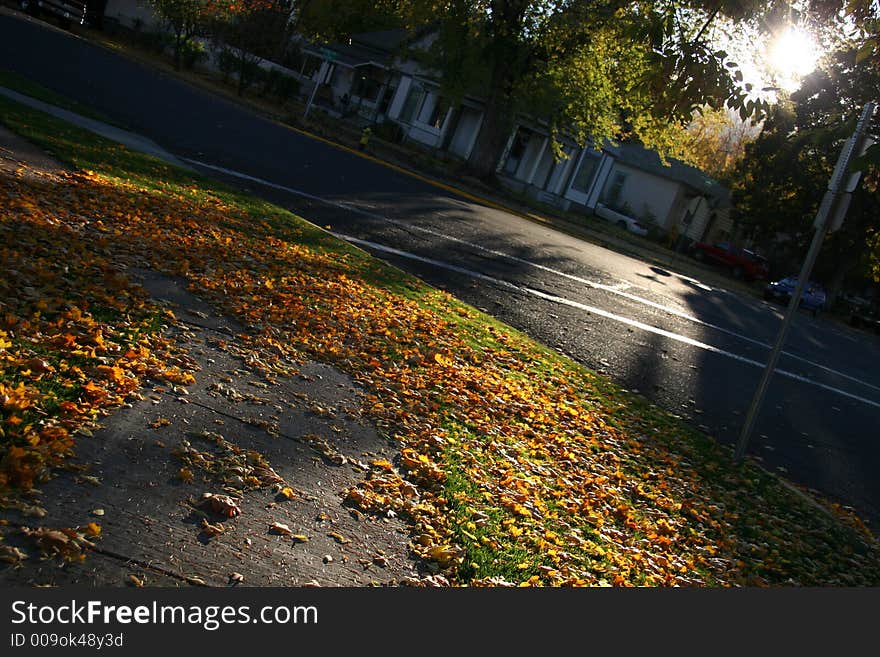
741 263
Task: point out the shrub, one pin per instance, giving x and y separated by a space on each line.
192 53
388 131
157 41
227 63
286 87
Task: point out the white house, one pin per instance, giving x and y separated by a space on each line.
671 196
375 78
374 74
632 180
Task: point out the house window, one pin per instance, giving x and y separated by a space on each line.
615 187
310 66
412 103
585 174
517 150
438 113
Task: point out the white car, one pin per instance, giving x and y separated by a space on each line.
625 222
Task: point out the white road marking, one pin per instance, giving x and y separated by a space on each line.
618 289
597 311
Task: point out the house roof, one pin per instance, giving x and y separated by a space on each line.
388 41
639 157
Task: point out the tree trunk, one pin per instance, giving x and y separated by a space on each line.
241 72
178 47
496 125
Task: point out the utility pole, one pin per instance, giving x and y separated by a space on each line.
321 77
829 208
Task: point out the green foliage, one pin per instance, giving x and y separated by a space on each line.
388 131
780 183
598 70
185 20
192 53
285 88
336 20
157 41
260 29
226 63
715 142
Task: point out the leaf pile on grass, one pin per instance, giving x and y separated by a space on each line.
516 465
76 338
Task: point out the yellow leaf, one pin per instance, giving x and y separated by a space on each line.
279 528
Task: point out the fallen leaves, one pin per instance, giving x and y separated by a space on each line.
212 529
9 554
516 467
235 467
221 504
287 493
324 448
68 543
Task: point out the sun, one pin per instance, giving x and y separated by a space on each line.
793 54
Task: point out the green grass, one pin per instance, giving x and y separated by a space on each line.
23 85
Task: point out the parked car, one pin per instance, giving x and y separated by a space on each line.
812 298
621 220
68 12
741 263
865 315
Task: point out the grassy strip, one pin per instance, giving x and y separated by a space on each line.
23 85
517 466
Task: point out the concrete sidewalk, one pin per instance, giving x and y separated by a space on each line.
130 139
141 475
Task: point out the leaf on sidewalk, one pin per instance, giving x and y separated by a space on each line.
279 528
223 504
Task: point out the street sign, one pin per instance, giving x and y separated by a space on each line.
840 212
853 181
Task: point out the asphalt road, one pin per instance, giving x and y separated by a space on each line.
693 349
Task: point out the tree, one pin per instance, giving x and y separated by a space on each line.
599 70
786 170
337 20
184 18
250 31
716 140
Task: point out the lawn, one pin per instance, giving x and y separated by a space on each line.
516 466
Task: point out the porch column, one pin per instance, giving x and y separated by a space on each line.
503 159
606 165
540 156
567 188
